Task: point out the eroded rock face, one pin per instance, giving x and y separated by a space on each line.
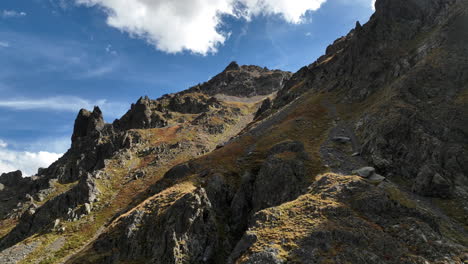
368 224
141 115
279 180
244 81
180 232
192 105
428 182
409 93
64 205
266 105
12 178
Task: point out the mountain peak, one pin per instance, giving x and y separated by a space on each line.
233 66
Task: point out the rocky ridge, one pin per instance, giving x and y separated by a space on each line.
104 158
360 158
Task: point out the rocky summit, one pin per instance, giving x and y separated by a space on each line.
359 157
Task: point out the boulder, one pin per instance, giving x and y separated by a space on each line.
11 178
376 178
364 172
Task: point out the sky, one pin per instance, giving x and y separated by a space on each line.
58 56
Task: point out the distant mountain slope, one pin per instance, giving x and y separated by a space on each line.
360 157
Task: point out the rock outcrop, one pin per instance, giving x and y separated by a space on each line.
344 219
403 97
88 124
244 81
141 115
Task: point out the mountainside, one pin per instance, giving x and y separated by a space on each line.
360 157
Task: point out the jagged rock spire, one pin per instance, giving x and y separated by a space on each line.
88 123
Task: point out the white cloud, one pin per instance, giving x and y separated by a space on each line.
27 162
373 4
96 72
192 25
4 44
64 103
12 13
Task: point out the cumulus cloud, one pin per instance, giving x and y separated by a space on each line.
12 13
192 25
63 103
27 162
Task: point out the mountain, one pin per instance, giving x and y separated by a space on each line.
359 157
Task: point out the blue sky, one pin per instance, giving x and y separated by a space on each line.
58 56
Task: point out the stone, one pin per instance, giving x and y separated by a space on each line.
376 178
12 178
56 223
29 198
342 140
364 172
40 197
87 208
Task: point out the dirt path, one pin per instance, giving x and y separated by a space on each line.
98 233
341 157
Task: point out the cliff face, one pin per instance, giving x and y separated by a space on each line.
360 157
